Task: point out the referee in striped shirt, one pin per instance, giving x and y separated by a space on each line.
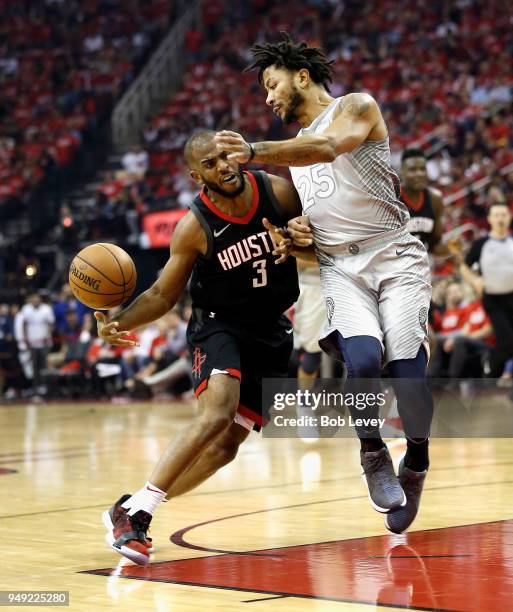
488 267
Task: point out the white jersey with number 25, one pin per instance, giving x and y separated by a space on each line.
353 198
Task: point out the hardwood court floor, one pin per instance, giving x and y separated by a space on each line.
299 512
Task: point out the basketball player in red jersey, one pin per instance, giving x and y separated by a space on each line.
237 333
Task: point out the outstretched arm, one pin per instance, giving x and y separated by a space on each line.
188 242
358 119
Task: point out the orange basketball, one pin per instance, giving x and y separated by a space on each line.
102 276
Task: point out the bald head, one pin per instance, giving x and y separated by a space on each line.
211 168
200 139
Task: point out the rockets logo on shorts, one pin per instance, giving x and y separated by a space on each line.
330 307
198 359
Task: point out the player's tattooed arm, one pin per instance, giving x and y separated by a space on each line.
357 119
356 104
189 241
302 151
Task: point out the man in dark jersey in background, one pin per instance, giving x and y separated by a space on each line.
424 203
237 333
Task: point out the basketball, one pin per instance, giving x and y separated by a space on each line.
102 276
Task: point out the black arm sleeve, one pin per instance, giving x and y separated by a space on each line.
474 254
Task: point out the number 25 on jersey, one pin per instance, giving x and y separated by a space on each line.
316 183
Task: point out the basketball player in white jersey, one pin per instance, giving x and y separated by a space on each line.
375 274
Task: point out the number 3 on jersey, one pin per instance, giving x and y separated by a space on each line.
261 278
320 180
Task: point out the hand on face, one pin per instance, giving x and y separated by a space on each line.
233 144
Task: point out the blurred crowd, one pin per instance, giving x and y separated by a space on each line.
62 64
441 71
49 349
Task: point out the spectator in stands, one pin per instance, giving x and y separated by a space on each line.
450 326
60 76
488 267
68 337
73 367
65 303
105 363
37 328
468 349
7 362
24 356
135 162
433 95
166 348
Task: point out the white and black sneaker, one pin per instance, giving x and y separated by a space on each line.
412 483
385 492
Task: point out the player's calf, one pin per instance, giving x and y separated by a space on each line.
221 452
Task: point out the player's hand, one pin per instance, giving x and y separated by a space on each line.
108 331
281 243
300 231
233 144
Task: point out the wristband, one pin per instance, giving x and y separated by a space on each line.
251 151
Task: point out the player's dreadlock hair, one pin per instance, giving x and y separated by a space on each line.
292 56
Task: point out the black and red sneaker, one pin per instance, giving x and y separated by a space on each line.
128 538
110 518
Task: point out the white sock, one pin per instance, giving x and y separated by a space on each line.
148 499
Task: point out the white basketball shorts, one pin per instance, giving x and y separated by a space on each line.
379 287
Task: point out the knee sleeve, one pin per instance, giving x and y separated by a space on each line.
362 356
410 368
